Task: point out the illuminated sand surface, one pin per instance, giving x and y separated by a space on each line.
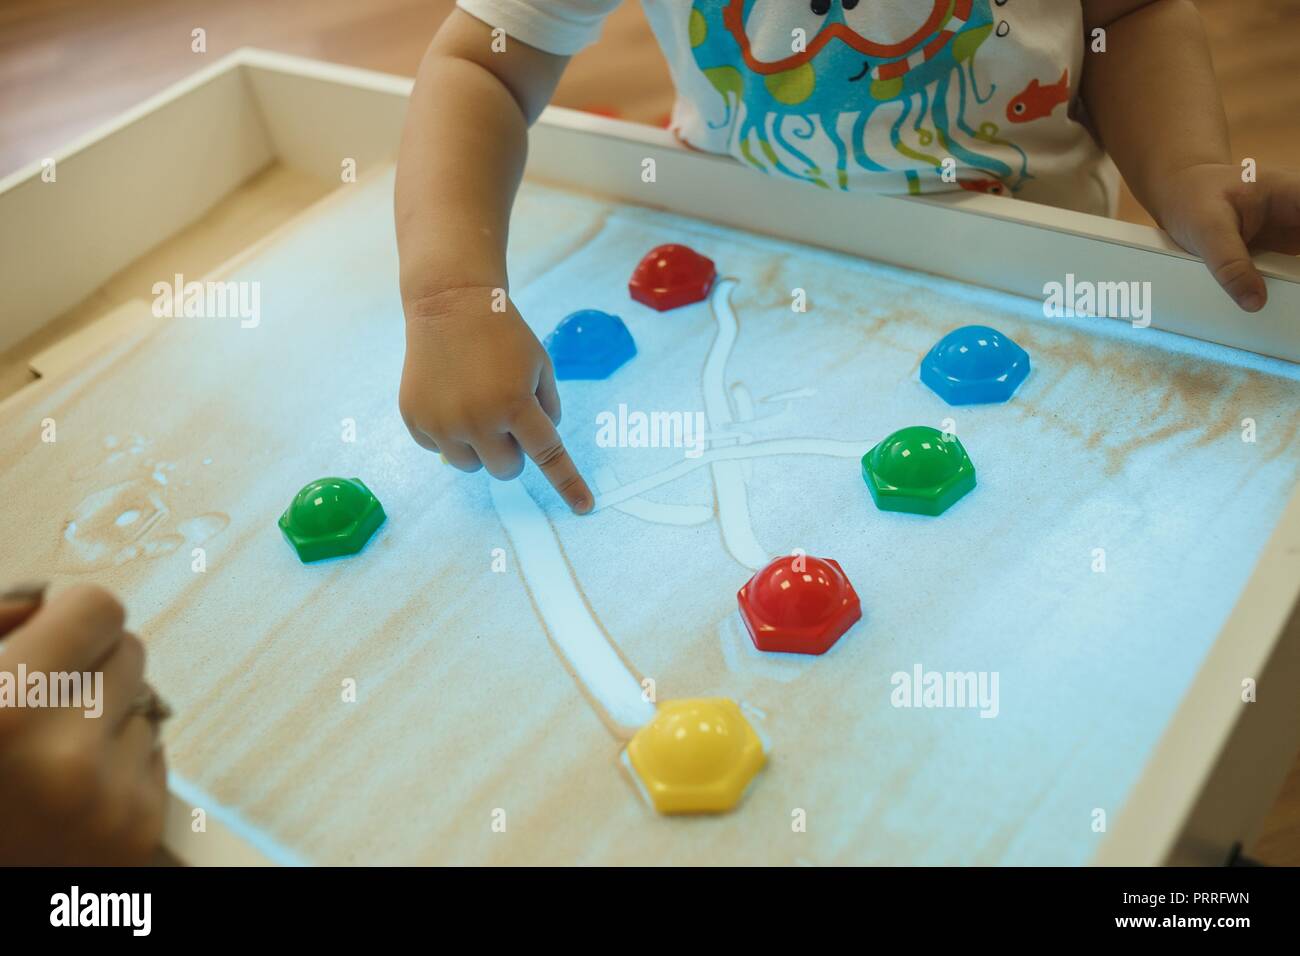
481 691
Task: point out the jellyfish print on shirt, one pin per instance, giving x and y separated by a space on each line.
821 90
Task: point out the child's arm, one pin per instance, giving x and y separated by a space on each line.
1155 103
477 385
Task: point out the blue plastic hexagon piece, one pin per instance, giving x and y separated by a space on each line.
975 365
589 345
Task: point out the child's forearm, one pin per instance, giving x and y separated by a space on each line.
462 156
1152 96
461 159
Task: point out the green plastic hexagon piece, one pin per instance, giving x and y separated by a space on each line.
331 517
918 470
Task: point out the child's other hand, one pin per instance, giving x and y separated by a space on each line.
1209 211
79 789
478 387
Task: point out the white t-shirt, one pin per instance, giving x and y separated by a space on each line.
888 95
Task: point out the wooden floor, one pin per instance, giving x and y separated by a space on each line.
68 65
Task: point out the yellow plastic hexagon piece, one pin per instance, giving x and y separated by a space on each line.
696 756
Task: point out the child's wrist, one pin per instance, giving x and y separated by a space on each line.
432 266
1169 191
453 299
426 281
1160 180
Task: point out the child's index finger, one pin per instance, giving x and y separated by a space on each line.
537 436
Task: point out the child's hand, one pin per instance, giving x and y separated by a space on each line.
1209 211
478 387
79 789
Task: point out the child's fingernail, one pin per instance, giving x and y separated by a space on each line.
1252 302
581 506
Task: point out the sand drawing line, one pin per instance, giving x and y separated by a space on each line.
788 395
728 474
830 447
595 662
655 512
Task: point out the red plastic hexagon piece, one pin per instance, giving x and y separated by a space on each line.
671 276
798 605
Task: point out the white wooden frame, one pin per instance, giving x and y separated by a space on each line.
1219 763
